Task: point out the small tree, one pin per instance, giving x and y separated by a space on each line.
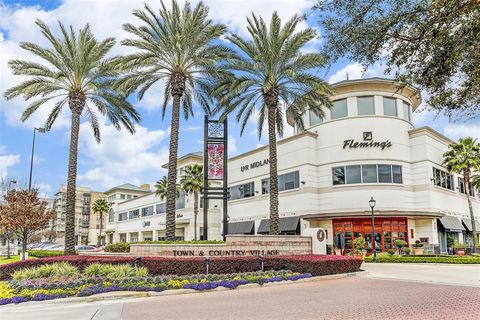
23 213
100 206
192 182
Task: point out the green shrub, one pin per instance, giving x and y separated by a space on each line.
44 253
424 259
359 245
391 252
417 244
117 247
407 250
114 271
400 243
55 270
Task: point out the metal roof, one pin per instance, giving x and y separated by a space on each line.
242 227
284 224
468 224
452 223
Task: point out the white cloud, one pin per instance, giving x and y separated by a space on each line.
122 157
7 161
191 129
232 146
461 130
357 71
44 190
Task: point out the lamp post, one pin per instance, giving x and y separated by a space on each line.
41 130
372 203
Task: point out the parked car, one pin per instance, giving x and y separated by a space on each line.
85 248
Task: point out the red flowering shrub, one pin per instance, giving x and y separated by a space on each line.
317 265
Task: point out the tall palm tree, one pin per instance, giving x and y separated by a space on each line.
192 182
271 78
77 74
161 188
101 207
463 158
176 47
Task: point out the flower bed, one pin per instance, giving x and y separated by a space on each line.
317 265
16 291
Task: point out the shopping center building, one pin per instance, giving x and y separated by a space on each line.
366 146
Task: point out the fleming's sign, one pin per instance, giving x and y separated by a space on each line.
367 142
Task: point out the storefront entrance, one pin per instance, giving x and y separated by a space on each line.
387 230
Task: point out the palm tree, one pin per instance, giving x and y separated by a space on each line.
176 47
271 77
161 189
77 74
192 182
101 207
462 158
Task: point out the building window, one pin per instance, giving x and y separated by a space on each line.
111 215
129 196
287 181
407 111
390 106
338 174
339 109
461 187
242 191
180 202
161 208
367 173
122 196
314 119
134 214
148 211
122 216
353 174
442 179
365 106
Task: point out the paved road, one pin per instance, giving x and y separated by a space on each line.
349 298
457 274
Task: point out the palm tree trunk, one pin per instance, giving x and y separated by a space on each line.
466 182
272 144
172 171
195 213
100 232
76 106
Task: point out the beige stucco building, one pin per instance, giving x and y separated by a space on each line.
366 146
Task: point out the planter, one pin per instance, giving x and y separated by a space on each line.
460 252
417 251
360 255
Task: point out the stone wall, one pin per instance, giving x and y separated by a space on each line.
235 245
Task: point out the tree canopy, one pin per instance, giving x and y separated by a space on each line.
434 45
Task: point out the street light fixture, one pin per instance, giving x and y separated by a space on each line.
372 203
14 182
41 130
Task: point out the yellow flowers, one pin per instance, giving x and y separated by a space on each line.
6 291
176 284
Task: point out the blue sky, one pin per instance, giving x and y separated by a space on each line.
122 158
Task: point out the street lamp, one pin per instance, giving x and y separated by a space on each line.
372 203
41 130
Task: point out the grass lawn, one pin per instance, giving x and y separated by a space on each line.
4 259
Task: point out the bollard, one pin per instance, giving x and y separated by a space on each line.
137 262
262 260
207 265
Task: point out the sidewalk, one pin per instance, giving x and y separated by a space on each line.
453 274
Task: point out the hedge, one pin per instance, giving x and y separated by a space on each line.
44 253
426 259
317 265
